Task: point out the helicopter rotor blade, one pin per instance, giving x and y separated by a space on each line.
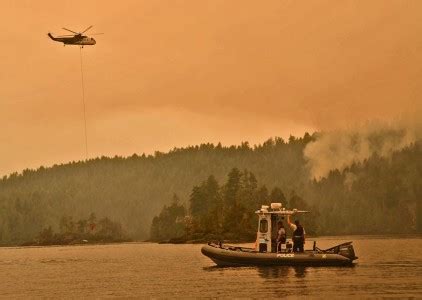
66 35
87 29
70 30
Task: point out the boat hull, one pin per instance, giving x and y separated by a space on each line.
237 256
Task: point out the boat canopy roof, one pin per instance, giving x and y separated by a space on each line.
277 209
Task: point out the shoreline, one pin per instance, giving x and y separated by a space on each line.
193 242
309 238
73 243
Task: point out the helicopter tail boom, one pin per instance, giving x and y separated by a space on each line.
51 37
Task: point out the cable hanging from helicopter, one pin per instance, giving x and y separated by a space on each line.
81 40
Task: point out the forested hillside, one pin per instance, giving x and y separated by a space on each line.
378 196
222 211
132 190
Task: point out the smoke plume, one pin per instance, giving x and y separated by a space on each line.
340 148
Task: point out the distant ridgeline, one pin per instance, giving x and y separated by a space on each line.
382 196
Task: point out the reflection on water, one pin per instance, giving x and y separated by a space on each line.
278 272
152 270
266 272
271 272
300 271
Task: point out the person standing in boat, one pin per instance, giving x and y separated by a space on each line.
298 235
281 236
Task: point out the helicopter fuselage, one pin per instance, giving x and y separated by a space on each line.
75 40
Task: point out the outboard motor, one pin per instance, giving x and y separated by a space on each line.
347 251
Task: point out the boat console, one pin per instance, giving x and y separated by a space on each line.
268 217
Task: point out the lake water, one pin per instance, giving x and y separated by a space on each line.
386 267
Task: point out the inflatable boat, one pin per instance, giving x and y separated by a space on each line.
222 255
268 252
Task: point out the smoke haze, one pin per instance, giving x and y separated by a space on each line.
338 149
174 73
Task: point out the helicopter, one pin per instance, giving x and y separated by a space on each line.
77 38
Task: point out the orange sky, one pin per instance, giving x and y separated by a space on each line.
174 73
